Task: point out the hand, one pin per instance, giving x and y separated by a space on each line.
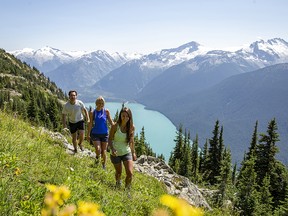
114 152
134 156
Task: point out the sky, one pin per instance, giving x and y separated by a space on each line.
142 26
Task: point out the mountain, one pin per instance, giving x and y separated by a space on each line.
85 71
46 58
129 79
237 102
74 69
204 71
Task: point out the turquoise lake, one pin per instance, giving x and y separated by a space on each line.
159 130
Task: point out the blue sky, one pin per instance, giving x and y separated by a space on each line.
139 25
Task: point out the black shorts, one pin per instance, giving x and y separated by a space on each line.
118 159
99 137
74 127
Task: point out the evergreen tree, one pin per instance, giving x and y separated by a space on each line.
204 163
265 199
178 149
234 174
161 156
266 151
247 197
225 177
32 112
53 114
253 144
140 147
195 159
186 163
214 156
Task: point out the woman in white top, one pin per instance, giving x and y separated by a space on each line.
121 143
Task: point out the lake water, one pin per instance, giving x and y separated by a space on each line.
159 130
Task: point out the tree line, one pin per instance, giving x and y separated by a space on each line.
257 187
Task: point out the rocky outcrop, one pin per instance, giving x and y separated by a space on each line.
177 185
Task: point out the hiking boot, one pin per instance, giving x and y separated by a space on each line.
97 160
81 147
118 184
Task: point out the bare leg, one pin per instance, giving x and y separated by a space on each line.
97 145
80 139
129 173
74 141
118 171
103 153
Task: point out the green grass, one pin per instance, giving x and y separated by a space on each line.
29 159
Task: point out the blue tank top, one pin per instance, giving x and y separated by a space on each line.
100 122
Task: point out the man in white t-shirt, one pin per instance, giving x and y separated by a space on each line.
74 110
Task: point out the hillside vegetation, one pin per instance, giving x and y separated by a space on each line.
26 92
31 159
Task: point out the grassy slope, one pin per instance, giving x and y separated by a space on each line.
29 159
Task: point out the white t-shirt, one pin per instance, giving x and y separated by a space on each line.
74 111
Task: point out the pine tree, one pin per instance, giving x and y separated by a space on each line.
178 149
225 177
186 163
253 144
195 159
53 113
214 156
204 163
247 197
266 151
265 199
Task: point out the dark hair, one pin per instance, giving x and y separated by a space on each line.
129 125
72 91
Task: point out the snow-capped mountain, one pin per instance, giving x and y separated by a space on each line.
86 70
46 58
129 79
73 69
101 72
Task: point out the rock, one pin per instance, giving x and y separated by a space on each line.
176 185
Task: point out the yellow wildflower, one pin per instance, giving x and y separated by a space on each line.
180 207
68 210
89 209
59 194
17 171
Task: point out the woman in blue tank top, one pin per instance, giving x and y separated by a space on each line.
98 132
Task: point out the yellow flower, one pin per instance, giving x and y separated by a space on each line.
89 209
51 188
59 194
68 210
49 201
180 207
17 171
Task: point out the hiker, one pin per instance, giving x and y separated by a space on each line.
121 143
74 110
98 133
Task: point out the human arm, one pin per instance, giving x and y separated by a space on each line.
132 145
64 121
89 125
86 115
109 117
111 138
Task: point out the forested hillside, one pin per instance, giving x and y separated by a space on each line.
26 92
